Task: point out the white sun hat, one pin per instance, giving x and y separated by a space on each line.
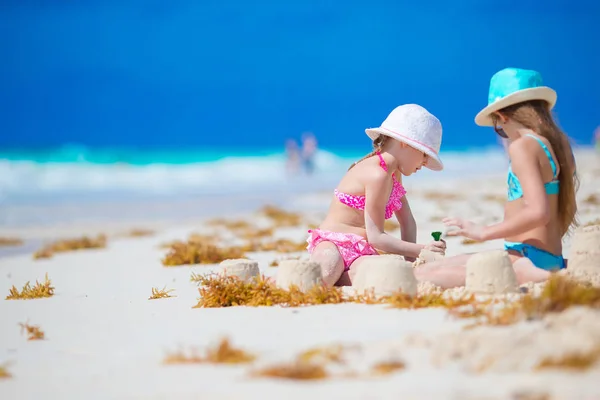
417 127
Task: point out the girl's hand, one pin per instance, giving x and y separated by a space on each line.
437 247
467 229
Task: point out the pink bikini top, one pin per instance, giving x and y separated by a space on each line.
358 202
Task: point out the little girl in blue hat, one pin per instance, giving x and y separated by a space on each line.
541 205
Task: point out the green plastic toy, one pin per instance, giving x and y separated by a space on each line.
436 236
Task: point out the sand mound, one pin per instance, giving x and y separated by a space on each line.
491 272
240 267
386 274
302 273
584 260
426 256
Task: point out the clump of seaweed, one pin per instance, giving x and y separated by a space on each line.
593 199
274 263
279 245
280 217
572 361
179 357
65 245
33 331
10 241
390 225
497 198
294 370
387 367
160 293
140 232
222 353
39 290
196 251
592 223
229 291
4 374
468 241
560 293
322 354
256 233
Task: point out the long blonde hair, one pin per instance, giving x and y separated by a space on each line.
536 115
378 143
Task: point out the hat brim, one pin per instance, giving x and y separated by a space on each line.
483 118
433 159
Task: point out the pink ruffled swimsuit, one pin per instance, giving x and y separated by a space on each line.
352 246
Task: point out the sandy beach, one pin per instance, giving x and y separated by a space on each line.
104 338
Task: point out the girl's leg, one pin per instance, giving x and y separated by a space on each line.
331 261
527 272
447 273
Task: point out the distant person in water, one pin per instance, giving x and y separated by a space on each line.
309 149
371 191
292 162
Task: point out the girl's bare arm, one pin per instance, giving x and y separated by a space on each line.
408 225
375 203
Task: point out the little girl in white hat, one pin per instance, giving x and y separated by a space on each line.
372 191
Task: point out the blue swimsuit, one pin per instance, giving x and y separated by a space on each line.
540 258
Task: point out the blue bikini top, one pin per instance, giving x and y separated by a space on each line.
514 186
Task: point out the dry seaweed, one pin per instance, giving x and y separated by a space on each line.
390 225
39 290
496 198
387 367
197 251
593 199
65 245
229 291
222 353
571 361
33 331
140 232
160 293
279 245
10 241
4 374
280 217
468 241
294 370
592 223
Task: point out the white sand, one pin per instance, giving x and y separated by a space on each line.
106 340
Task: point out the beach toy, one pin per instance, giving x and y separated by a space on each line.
243 268
386 274
436 236
302 273
584 257
491 272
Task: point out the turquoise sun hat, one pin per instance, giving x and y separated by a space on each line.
511 86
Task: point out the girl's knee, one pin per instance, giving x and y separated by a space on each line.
331 261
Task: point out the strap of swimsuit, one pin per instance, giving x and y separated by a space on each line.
382 162
548 154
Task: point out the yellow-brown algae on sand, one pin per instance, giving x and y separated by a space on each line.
10 241
197 251
221 353
33 331
74 244
160 293
39 290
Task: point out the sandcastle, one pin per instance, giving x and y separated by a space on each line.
302 273
491 272
386 274
244 269
584 258
427 256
